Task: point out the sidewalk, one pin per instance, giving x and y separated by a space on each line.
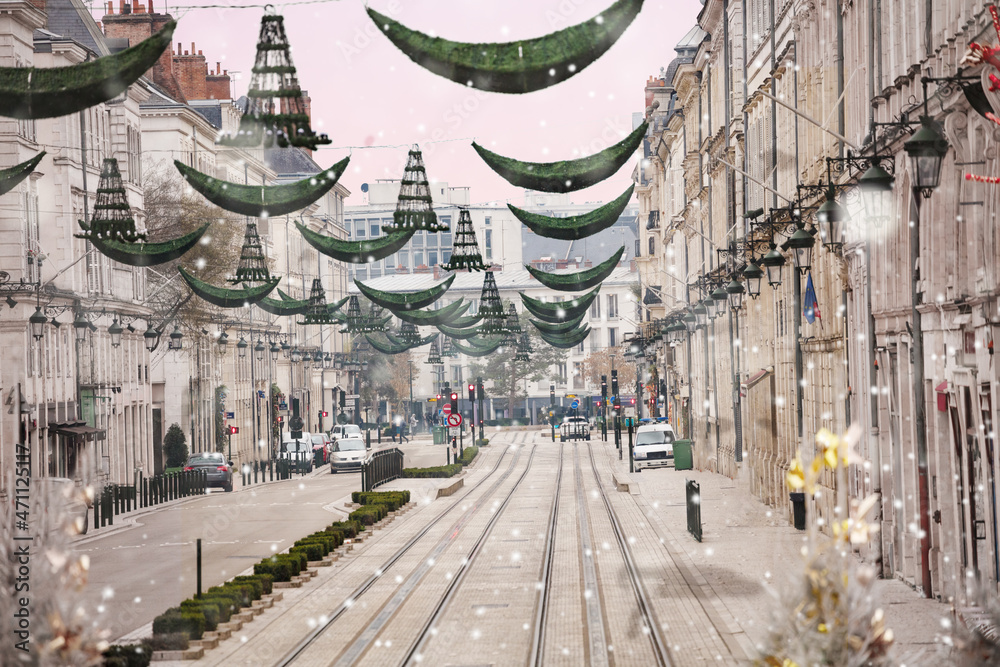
748 548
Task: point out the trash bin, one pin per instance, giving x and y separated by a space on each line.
440 435
798 509
682 454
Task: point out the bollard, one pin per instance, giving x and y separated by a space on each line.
631 459
198 567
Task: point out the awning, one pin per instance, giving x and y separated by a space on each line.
77 428
650 298
942 388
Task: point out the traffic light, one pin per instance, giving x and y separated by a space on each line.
454 402
343 400
233 430
614 389
438 398
604 387
552 394
324 413
472 392
633 400
279 419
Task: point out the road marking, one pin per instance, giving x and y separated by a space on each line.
175 544
128 546
233 542
268 541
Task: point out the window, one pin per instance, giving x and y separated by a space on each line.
561 373
578 380
445 220
404 258
489 221
595 310
418 240
418 258
579 348
444 239
456 376
374 228
473 306
362 231
612 337
652 246
31 236
612 306
489 244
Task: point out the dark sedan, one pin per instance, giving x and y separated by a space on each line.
219 472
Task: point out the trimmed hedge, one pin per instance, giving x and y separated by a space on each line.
435 471
209 610
369 514
272 567
468 454
128 655
312 550
391 499
176 619
482 442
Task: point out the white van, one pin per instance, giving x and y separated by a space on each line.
299 453
654 446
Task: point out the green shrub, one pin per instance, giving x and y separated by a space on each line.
349 528
296 561
254 582
208 609
175 641
392 499
277 570
192 623
468 454
265 580
436 471
175 446
336 537
226 605
328 541
312 550
128 655
243 592
369 514
482 442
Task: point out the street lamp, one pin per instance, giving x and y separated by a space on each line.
259 350
275 351
926 149
115 331
876 193
831 217
37 323
296 356
753 275
285 348
151 339
690 322
735 290
241 347
700 313
718 301
176 341
81 325
801 244
772 262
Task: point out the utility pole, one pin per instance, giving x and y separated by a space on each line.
480 391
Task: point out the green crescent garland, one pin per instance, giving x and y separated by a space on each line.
579 280
574 227
11 177
568 340
48 92
514 67
408 300
258 200
465 322
356 252
558 329
560 311
227 298
473 351
456 333
283 308
146 254
429 318
567 175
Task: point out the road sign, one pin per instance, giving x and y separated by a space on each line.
230 415
447 408
454 420
282 406
349 403
260 393
453 431
354 396
575 404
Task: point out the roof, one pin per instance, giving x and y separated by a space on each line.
510 280
595 248
691 41
210 112
290 161
71 19
158 98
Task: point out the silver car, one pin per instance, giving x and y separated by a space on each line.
218 471
348 454
53 499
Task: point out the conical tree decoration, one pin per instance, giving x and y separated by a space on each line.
449 348
355 320
408 334
414 208
491 308
434 356
317 312
276 111
524 348
253 266
465 250
375 321
112 219
512 329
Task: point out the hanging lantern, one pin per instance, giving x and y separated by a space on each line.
222 341
690 322
876 192
753 275
176 341
701 313
717 301
772 262
37 323
926 149
832 217
275 351
735 290
241 347
115 331
801 244
81 325
259 349
151 339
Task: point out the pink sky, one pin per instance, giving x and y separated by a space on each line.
365 92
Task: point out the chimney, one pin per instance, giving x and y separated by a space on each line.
190 70
218 85
138 26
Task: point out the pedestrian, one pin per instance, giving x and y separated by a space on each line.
399 430
413 424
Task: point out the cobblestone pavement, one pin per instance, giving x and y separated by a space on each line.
710 601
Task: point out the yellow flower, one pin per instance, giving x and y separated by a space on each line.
796 476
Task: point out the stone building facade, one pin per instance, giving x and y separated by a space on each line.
761 93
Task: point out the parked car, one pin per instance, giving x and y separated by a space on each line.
322 444
218 470
47 492
298 452
346 431
574 428
654 446
348 454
